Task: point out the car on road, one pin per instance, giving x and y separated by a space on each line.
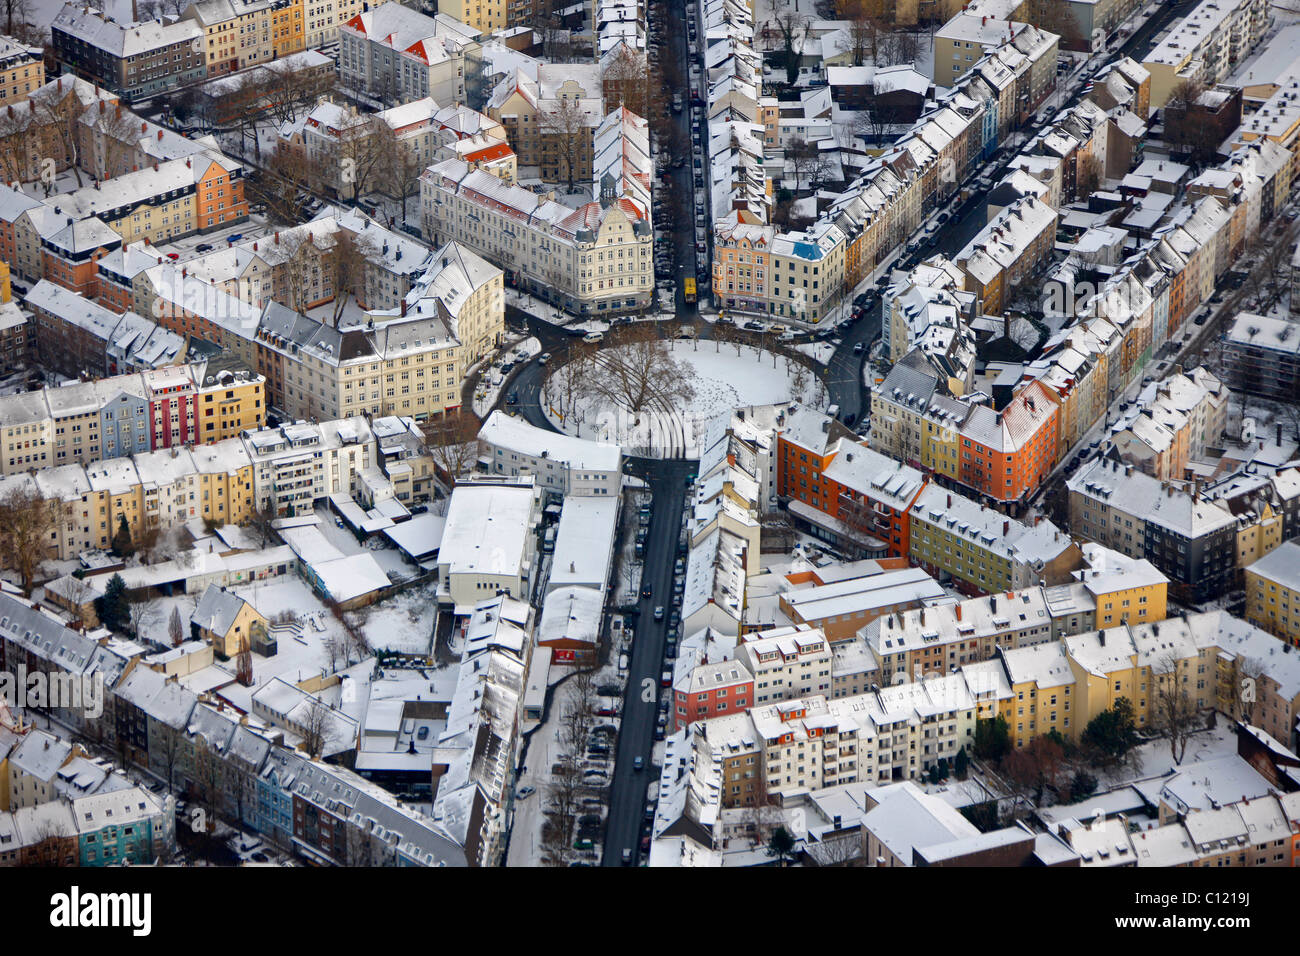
513 397
203 247
659 613
858 348
235 238
627 856
593 337
645 589
546 357
638 763
525 792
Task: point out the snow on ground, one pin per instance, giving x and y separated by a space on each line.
403 622
723 379
1154 759
820 352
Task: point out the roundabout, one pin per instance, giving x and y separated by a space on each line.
658 398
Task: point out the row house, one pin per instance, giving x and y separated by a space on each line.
984 551
1007 251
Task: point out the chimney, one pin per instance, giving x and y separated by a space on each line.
950 501
277 238
254 247
1006 528
403 308
958 606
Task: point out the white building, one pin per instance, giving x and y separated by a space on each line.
489 541
561 465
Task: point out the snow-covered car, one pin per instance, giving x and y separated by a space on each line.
525 792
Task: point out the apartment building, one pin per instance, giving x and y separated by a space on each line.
800 745
1006 455
121 415
1205 45
551 119
407 358
77 338
983 550
1261 356
932 641
591 260
1190 539
786 663
236 33
22 70
15 339
394 54
1007 251
134 60
561 465
1273 592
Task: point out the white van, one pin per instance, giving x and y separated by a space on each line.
593 337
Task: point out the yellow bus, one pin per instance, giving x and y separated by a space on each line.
688 289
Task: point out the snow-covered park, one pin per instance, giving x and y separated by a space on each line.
723 376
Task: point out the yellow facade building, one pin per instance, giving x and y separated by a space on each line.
1273 592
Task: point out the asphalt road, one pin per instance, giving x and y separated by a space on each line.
627 802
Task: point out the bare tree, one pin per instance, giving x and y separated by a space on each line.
60 116
452 441
563 791
1087 176
345 265
360 148
144 612
1174 714
843 850
175 630
565 129
864 31
792 28
317 728
166 746
261 522
638 371
284 183
50 844
801 155
28 522
335 649
627 82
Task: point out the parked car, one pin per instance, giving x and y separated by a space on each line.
659 613
546 357
203 247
